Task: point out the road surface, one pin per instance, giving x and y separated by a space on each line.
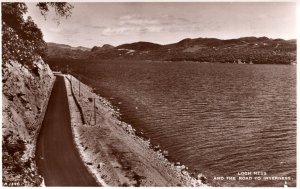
57 157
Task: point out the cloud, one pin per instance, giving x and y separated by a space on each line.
94 26
129 30
151 29
116 30
55 30
129 24
161 20
137 20
64 30
90 39
174 20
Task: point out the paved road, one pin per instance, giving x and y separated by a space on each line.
58 159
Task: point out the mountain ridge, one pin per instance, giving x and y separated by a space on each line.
257 50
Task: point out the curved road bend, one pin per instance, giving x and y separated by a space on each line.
57 157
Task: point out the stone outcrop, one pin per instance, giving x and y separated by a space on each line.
25 94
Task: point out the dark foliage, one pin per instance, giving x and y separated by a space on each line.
62 9
22 40
12 14
12 147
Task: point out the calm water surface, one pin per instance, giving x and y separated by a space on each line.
218 119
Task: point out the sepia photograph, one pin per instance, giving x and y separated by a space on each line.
149 94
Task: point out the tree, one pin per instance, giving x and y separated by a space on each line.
62 9
22 40
12 14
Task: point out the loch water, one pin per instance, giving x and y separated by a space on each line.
217 119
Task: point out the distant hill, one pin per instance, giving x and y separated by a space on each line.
82 48
66 51
251 50
140 46
67 47
104 47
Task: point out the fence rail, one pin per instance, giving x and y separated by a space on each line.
77 103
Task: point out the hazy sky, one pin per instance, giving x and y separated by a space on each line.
117 23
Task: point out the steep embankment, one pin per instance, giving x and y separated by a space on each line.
25 96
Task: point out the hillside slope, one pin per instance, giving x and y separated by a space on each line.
251 50
25 95
66 51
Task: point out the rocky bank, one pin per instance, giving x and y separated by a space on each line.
25 95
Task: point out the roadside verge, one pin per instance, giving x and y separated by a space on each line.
77 120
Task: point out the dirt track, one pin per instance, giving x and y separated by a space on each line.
57 157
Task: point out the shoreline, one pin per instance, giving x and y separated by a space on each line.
144 159
119 105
